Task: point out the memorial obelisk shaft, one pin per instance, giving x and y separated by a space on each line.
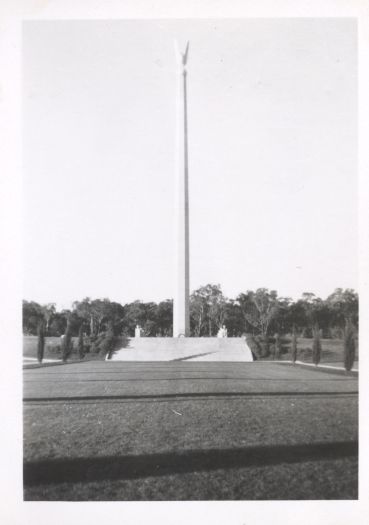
181 310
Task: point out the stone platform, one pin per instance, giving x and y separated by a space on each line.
231 349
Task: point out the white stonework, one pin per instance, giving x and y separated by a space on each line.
181 312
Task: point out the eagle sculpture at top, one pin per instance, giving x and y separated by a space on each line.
183 56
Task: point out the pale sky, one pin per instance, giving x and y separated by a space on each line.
272 157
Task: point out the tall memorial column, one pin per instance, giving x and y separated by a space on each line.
181 309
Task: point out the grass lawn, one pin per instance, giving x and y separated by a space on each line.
52 351
332 352
51 346
188 431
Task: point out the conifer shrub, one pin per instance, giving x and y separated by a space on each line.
40 341
67 345
317 347
349 346
294 346
108 343
81 346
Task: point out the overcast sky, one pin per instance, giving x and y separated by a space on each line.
272 157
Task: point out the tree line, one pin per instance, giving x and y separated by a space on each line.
262 312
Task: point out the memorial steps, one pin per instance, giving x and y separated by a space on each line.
231 349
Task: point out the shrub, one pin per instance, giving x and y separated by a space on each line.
306 353
294 346
81 347
277 346
264 345
41 341
317 347
122 341
95 343
254 346
108 342
307 332
54 349
67 344
258 345
86 345
349 346
104 343
285 345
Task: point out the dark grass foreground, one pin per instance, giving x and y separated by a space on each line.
189 431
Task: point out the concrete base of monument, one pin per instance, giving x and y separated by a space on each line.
184 349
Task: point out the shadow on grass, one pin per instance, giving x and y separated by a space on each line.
178 379
184 395
190 357
147 465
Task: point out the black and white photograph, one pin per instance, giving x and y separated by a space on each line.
190 258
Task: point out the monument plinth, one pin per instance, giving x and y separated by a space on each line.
181 310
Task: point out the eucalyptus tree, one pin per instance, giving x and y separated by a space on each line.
259 308
207 309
